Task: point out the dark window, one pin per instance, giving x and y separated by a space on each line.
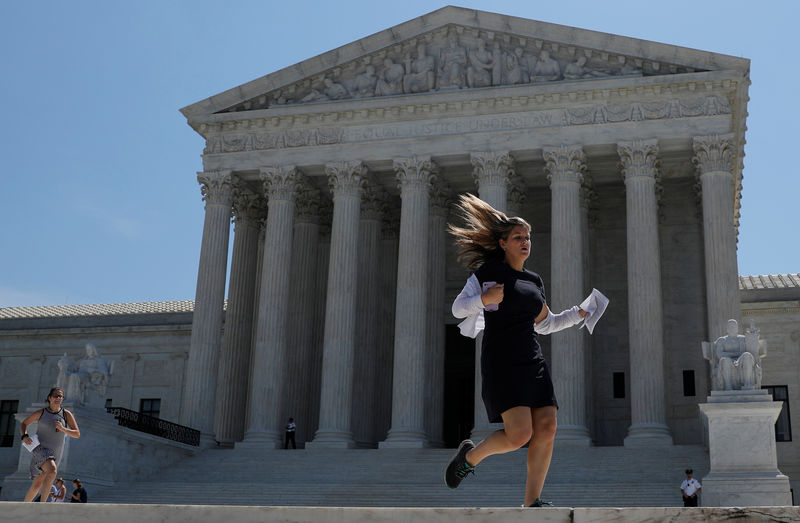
619 384
150 407
783 427
688 383
7 423
108 402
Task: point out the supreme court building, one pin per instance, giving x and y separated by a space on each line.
340 171
339 174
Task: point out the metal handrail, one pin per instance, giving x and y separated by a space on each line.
155 426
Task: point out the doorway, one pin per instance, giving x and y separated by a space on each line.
459 387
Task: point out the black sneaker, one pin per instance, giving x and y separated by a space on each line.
540 503
458 468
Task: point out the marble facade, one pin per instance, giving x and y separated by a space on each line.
338 173
595 137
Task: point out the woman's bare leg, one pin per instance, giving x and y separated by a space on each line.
35 486
540 451
49 473
516 432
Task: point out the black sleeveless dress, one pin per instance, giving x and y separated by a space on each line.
514 372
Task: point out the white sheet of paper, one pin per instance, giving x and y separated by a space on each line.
33 445
595 304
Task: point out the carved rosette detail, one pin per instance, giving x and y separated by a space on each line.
373 202
307 204
346 178
492 168
713 153
216 187
280 183
565 163
414 173
638 158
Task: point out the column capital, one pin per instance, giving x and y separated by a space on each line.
346 178
307 203
248 207
516 193
216 187
564 163
373 202
638 158
492 167
280 182
416 172
713 153
440 198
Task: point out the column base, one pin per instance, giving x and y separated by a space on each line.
332 439
404 439
260 440
746 490
648 434
573 436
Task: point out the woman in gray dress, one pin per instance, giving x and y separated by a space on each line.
55 423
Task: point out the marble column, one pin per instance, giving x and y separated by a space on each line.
565 166
336 395
234 359
435 334
300 336
382 399
265 422
713 157
127 371
491 171
408 406
645 313
365 368
197 410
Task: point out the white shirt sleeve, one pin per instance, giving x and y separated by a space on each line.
468 305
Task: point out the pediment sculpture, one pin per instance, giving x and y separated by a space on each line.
455 57
85 381
736 359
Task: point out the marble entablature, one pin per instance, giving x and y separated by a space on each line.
580 115
458 57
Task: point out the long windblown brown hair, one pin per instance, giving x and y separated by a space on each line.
484 227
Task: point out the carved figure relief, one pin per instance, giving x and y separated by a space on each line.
419 76
446 60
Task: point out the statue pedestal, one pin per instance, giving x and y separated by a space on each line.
741 442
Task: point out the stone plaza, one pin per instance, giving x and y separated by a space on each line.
339 174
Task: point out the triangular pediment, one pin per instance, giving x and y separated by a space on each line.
455 48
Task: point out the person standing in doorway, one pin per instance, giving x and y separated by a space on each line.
690 488
290 430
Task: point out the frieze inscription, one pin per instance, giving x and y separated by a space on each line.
581 115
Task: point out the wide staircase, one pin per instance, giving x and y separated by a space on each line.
588 477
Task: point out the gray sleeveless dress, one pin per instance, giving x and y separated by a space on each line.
51 442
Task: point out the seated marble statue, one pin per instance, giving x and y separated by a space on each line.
420 75
85 381
481 65
516 67
735 359
546 69
452 61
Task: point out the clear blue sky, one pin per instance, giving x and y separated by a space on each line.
99 197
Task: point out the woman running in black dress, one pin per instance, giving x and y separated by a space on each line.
508 302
